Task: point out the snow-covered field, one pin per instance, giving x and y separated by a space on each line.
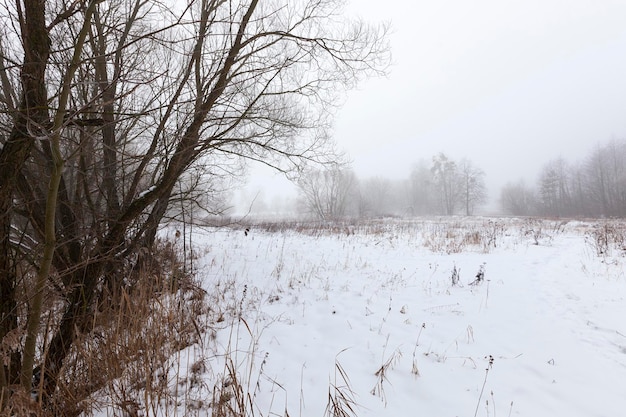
366 314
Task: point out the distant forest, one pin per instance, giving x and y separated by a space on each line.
592 187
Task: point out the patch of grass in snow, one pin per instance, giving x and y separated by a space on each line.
381 374
607 238
341 397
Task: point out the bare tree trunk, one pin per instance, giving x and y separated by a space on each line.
34 314
108 91
30 117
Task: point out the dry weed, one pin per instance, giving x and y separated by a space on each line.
341 402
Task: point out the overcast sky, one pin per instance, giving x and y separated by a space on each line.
509 85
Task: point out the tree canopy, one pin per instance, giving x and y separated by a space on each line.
113 110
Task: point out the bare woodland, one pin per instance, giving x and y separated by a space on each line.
115 112
593 187
442 186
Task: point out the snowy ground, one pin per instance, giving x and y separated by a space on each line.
368 311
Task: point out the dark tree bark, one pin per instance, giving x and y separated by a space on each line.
31 115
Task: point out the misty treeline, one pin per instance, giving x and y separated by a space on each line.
592 187
441 186
119 116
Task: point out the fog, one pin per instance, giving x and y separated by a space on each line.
507 85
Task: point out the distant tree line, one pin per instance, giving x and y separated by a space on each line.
441 186
593 187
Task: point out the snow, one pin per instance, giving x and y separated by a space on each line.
301 311
146 191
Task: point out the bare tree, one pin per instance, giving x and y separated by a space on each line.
446 178
380 197
518 199
421 189
107 110
327 192
474 191
579 200
606 179
554 188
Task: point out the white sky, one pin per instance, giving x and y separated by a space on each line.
509 85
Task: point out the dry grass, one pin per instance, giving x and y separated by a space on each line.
482 390
414 369
381 375
449 238
341 402
607 238
126 363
